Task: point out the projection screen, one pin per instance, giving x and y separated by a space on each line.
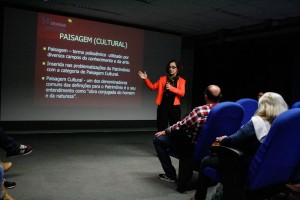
57 67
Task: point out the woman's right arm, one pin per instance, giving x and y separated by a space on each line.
142 75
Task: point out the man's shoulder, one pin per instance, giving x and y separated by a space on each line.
202 107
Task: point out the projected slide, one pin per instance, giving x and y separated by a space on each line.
81 62
61 67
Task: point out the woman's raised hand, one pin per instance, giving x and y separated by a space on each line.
143 75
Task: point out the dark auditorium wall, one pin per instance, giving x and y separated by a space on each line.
244 66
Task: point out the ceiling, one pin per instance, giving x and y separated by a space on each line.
182 17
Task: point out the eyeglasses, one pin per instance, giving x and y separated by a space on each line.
172 67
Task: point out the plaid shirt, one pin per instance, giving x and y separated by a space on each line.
193 123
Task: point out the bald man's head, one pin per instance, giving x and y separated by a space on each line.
213 93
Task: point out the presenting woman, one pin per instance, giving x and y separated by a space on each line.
170 89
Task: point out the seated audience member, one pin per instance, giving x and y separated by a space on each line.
247 139
259 95
182 136
6 166
12 148
4 195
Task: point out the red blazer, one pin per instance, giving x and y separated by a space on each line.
160 86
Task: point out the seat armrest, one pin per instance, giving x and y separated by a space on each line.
226 151
230 171
230 159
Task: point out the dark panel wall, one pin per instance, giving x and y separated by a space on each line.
244 67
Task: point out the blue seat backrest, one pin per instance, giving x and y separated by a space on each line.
277 159
296 105
224 119
250 106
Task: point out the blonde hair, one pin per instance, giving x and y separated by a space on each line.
270 105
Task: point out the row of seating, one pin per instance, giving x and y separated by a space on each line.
276 162
225 120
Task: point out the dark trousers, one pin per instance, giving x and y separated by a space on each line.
203 181
181 144
232 179
167 115
7 143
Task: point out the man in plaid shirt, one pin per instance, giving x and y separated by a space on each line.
182 137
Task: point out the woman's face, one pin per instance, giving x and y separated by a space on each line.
173 70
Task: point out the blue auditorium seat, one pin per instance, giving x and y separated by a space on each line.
250 106
224 118
296 105
276 162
